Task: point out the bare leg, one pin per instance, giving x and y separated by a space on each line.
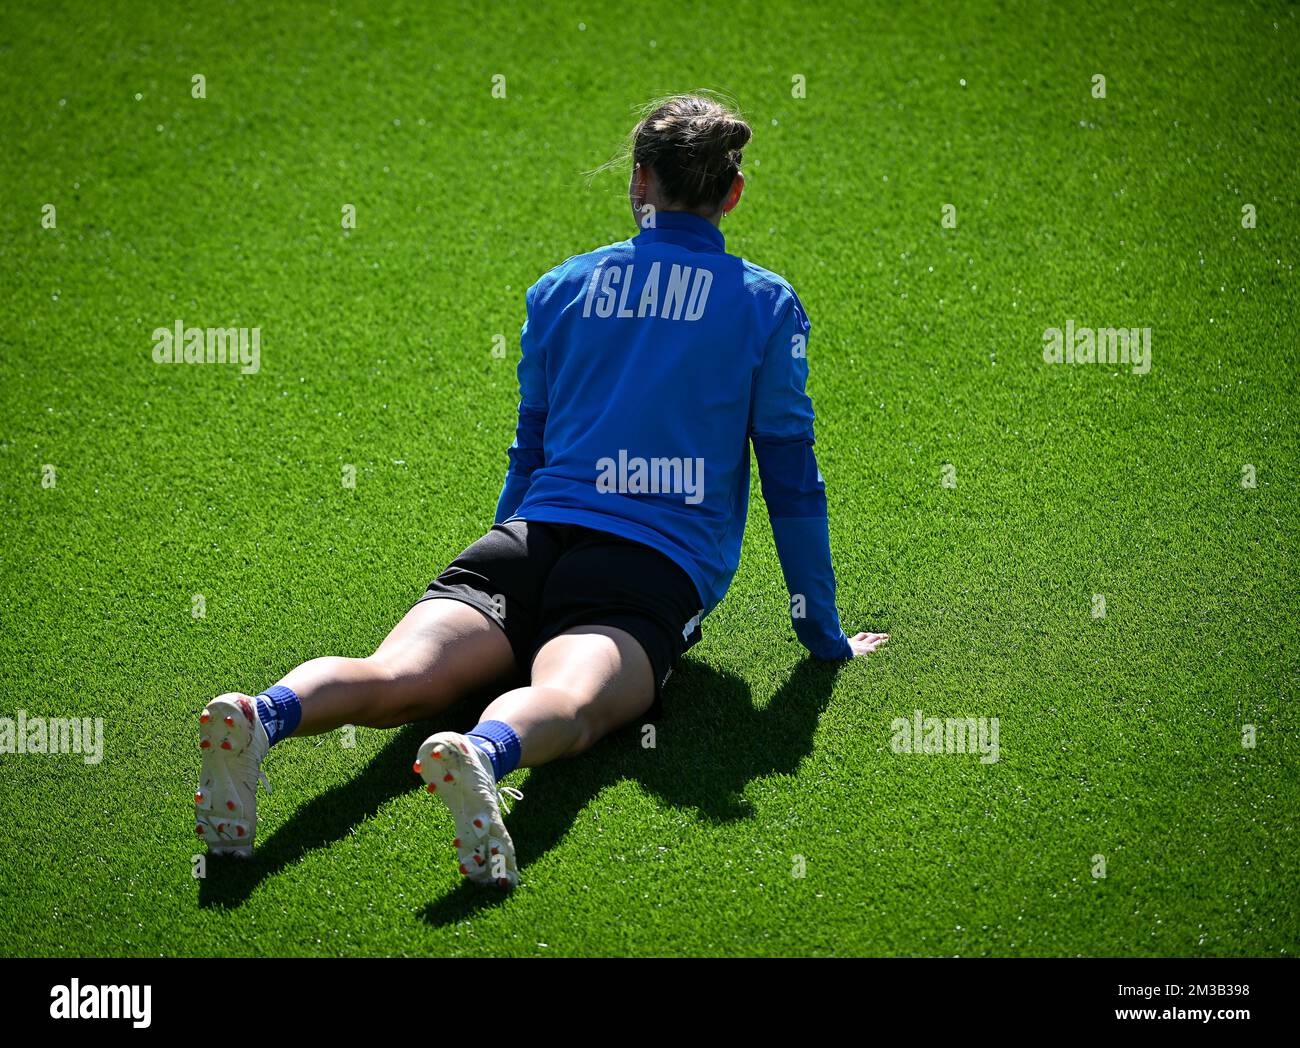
440 651
586 682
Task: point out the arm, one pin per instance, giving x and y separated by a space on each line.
781 430
526 452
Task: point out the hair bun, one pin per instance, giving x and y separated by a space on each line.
694 145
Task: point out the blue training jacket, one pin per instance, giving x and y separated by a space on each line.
648 368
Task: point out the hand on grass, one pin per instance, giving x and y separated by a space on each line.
866 643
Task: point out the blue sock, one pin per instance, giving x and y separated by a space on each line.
499 741
279 710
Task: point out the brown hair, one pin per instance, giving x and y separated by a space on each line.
694 146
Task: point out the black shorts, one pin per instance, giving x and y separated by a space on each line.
536 580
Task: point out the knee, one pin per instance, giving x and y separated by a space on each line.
397 697
589 729
381 667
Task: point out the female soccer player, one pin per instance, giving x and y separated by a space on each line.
648 369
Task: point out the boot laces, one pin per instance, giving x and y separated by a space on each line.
503 792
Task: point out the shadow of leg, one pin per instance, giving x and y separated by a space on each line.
711 744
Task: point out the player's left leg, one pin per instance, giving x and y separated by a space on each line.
441 650
463 635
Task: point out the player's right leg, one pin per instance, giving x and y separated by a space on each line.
616 617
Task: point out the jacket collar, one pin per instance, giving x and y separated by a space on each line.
683 228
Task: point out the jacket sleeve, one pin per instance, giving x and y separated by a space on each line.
781 431
526 452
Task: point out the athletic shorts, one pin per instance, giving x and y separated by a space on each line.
536 580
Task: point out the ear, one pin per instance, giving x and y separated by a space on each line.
733 196
638 185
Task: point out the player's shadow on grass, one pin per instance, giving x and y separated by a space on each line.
711 743
708 747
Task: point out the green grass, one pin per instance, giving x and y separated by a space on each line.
1119 736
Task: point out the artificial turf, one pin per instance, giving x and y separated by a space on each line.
1120 736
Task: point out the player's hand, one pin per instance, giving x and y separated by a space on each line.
866 643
